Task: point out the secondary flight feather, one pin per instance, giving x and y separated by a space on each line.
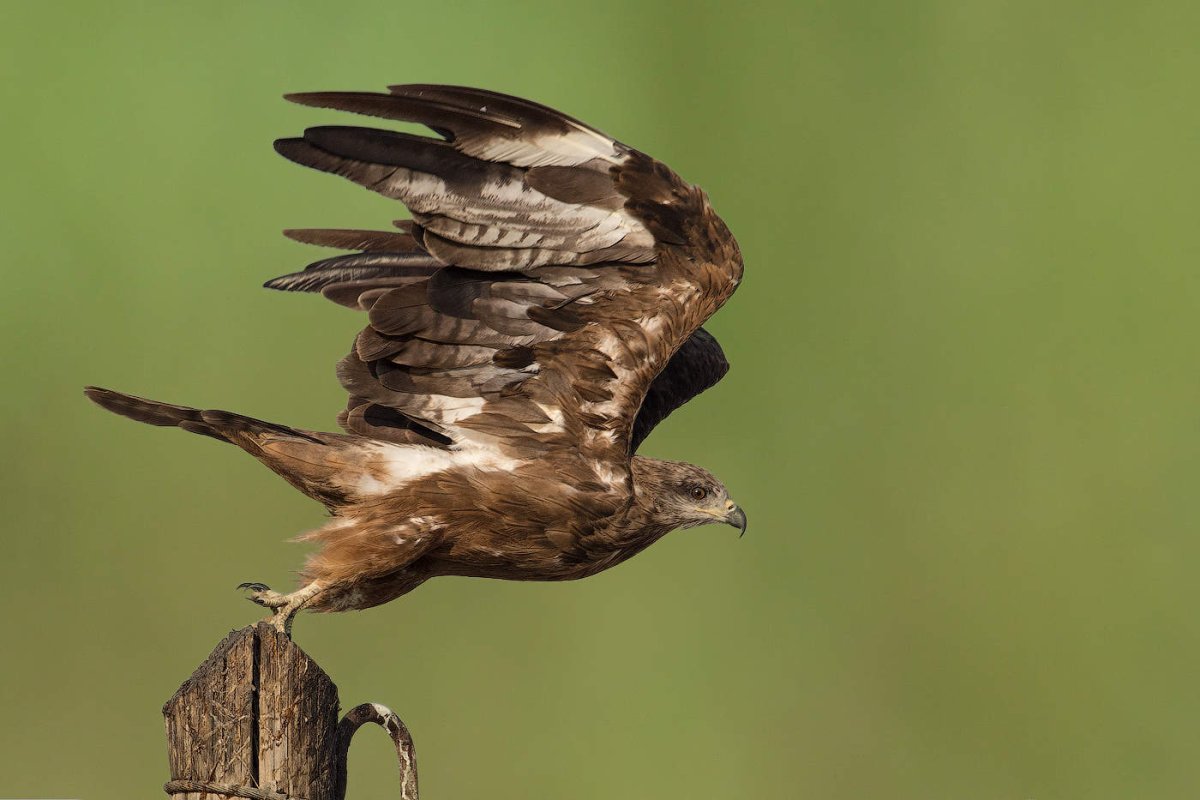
526 330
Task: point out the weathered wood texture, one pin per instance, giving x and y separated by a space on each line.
259 719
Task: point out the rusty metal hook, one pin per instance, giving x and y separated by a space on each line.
406 752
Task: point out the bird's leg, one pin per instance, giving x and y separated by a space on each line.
283 606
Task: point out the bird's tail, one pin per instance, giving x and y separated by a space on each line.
304 459
223 425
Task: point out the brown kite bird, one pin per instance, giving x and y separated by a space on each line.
526 329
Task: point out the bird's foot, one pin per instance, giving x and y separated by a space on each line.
283 606
264 595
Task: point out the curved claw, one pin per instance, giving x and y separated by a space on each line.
264 596
283 606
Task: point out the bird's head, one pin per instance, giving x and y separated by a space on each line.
683 495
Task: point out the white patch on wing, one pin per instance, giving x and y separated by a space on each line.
555 425
399 464
609 476
617 354
368 485
653 325
455 409
562 149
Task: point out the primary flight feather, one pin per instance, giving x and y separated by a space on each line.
530 325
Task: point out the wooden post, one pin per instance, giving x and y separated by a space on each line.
258 719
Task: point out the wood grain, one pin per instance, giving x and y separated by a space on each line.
259 719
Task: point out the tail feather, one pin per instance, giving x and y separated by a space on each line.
223 425
321 465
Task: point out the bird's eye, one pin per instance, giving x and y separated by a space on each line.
698 492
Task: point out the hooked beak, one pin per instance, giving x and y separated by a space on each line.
737 518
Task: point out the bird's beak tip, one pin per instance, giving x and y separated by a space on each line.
737 518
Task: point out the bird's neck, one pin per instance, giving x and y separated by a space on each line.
649 485
647 480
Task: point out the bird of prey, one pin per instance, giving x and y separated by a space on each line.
529 325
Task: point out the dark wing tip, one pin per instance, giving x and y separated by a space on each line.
306 154
302 235
355 239
293 148
365 266
299 282
284 283
506 109
311 99
124 404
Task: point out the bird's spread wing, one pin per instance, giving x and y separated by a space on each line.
548 275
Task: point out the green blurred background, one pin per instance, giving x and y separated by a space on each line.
962 415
